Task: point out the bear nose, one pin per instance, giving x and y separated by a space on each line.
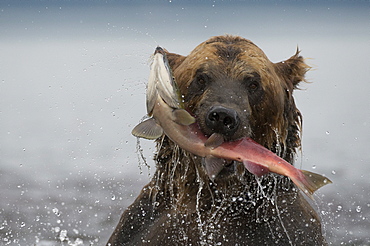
222 120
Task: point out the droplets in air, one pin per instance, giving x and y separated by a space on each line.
63 235
56 211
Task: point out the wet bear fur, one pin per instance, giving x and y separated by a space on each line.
181 205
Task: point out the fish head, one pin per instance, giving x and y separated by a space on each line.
161 83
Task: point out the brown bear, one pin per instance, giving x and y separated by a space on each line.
232 88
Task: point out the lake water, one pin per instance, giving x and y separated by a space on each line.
72 86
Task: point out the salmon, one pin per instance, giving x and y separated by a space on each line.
168 116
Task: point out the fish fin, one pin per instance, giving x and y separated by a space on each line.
255 168
311 182
182 117
213 166
148 129
215 140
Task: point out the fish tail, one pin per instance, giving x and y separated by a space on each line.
309 182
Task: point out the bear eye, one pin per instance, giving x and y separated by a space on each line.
202 79
253 82
253 86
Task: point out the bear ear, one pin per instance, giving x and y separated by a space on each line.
174 60
293 70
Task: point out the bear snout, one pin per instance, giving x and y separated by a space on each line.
222 120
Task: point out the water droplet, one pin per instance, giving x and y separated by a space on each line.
339 208
63 235
313 166
23 224
113 198
358 209
327 132
78 241
333 172
56 211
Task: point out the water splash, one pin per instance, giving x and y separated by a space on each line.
200 181
175 159
280 148
270 196
141 157
274 201
63 237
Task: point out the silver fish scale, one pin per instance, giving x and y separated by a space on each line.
162 82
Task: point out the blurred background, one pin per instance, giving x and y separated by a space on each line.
72 86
